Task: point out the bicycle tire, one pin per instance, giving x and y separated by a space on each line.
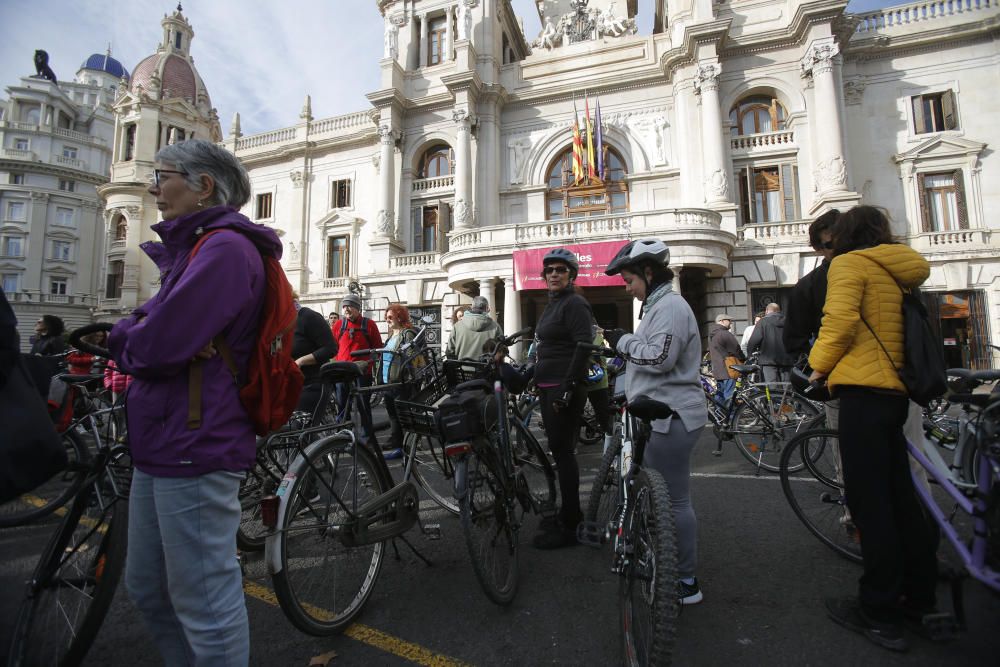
605 495
531 417
760 435
809 481
323 584
73 585
252 534
432 470
53 494
534 465
487 523
648 587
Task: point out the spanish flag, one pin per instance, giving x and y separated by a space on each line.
590 139
577 147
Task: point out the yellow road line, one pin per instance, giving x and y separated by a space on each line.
368 635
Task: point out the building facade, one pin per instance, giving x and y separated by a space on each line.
724 132
55 150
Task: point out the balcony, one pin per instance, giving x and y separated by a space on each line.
901 18
430 185
71 162
336 283
963 240
775 233
417 262
763 143
15 154
118 245
73 135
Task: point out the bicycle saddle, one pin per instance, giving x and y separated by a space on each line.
69 378
745 368
339 371
646 409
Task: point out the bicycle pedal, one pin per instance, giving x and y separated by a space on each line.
938 627
432 531
591 534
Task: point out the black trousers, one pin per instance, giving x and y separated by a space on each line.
562 429
600 400
898 539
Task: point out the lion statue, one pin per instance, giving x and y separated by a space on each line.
42 69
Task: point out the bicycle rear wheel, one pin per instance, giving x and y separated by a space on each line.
487 521
433 471
53 494
648 587
605 496
810 477
762 426
535 466
322 583
73 585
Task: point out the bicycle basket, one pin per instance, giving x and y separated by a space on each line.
417 413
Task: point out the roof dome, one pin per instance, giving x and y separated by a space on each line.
177 79
103 62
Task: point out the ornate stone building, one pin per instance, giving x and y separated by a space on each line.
725 132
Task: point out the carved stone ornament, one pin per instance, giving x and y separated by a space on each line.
377 162
853 91
819 58
518 148
387 135
717 186
298 178
830 174
133 211
390 47
463 217
384 223
463 119
293 254
707 77
464 18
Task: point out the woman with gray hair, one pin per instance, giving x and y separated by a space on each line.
192 440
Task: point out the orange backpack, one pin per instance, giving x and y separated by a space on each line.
274 380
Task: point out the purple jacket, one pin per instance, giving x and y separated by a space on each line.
222 291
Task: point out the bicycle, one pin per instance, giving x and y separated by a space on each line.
73 584
629 506
970 482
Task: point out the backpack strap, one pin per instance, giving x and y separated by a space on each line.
902 291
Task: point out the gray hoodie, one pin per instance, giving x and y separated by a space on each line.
470 333
663 356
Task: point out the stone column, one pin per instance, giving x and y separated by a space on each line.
676 282
385 222
830 169
449 49
716 183
422 60
463 170
512 313
486 288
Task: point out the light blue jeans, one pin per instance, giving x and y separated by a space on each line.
182 571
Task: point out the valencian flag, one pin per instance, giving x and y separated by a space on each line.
600 140
577 147
590 139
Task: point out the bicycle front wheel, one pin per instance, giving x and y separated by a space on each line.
535 467
648 587
604 493
53 494
72 588
487 521
424 456
812 479
322 583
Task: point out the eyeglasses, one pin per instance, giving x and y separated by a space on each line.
828 245
157 172
560 270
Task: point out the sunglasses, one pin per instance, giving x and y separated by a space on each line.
559 270
157 172
828 245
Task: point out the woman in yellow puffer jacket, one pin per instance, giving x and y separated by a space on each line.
898 544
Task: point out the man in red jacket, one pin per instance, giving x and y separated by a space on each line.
355 332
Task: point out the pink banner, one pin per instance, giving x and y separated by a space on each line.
593 258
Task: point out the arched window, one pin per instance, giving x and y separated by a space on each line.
568 198
437 161
757 114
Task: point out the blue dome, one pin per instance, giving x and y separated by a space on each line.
105 63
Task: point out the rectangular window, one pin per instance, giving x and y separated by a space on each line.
62 250
10 281
129 142
21 144
69 151
15 211
769 194
337 257
934 112
427 224
59 286
264 206
16 179
436 41
341 193
67 186
942 202
65 217
12 246
116 274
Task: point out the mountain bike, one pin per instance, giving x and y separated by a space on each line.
72 586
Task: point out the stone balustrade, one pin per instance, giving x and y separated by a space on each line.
266 138
34 296
352 121
72 162
963 239
77 136
901 15
436 183
335 283
15 154
82 137
118 245
764 141
415 262
321 129
771 233
16 125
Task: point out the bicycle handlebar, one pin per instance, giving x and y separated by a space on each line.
86 330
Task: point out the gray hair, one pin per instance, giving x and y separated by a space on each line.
197 157
480 304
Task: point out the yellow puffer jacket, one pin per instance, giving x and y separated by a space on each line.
864 283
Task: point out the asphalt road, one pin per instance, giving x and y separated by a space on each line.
764 578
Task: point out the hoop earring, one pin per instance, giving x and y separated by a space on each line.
201 203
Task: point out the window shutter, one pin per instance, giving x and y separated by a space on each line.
918 114
348 184
330 269
444 225
451 160
788 192
416 228
948 110
746 202
925 205
963 214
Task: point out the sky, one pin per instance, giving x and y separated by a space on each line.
257 57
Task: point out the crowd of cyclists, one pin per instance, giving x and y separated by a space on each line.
184 511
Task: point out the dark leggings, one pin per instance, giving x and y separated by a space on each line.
562 428
600 400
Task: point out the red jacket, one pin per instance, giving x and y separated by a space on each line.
350 337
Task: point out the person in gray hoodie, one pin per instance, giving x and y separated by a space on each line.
664 356
474 329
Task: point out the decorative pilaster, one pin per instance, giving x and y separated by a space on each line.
385 221
449 34
422 59
830 169
464 121
716 183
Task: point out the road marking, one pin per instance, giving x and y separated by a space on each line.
367 635
726 475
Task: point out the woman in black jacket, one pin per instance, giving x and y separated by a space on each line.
312 346
565 322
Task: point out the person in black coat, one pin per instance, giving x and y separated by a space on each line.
768 337
805 305
312 346
49 336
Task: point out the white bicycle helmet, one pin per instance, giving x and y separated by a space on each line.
636 251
